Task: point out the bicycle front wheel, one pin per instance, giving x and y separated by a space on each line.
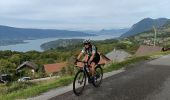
79 82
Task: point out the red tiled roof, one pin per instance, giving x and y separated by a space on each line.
51 68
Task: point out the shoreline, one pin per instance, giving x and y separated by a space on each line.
34 44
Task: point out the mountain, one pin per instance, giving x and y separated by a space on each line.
144 25
8 33
148 37
61 43
110 32
113 31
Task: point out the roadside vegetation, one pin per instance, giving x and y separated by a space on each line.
28 89
116 66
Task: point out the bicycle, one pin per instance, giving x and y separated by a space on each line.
84 73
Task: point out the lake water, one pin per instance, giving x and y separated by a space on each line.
35 44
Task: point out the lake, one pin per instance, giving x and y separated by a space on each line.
35 44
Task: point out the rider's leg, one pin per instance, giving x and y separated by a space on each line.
92 68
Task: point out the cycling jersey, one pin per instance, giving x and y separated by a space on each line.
90 50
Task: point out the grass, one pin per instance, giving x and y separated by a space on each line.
116 66
159 54
11 87
36 89
25 90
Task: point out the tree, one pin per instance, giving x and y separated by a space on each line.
71 70
15 59
121 46
7 67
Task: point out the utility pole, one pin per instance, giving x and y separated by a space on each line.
154 35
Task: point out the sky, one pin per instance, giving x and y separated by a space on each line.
80 14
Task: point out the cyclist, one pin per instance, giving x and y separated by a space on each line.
91 56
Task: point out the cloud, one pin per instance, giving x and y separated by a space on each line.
79 14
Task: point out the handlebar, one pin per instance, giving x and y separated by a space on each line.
85 63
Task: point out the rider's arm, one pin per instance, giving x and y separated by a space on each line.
79 56
92 57
81 53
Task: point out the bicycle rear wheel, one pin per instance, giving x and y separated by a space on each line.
99 76
79 82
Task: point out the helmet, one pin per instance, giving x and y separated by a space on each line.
87 41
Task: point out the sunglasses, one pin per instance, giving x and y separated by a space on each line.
86 43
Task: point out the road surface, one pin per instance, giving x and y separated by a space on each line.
144 81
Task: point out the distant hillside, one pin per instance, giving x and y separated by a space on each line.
8 33
113 31
110 32
162 36
145 25
60 43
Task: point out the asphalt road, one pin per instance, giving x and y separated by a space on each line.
142 81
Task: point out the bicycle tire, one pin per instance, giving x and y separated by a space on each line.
75 89
95 82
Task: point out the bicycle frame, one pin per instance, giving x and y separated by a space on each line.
84 69
86 72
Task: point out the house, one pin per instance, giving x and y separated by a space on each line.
118 55
27 64
146 50
54 68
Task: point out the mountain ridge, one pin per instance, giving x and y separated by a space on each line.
8 33
145 25
148 37
108 31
